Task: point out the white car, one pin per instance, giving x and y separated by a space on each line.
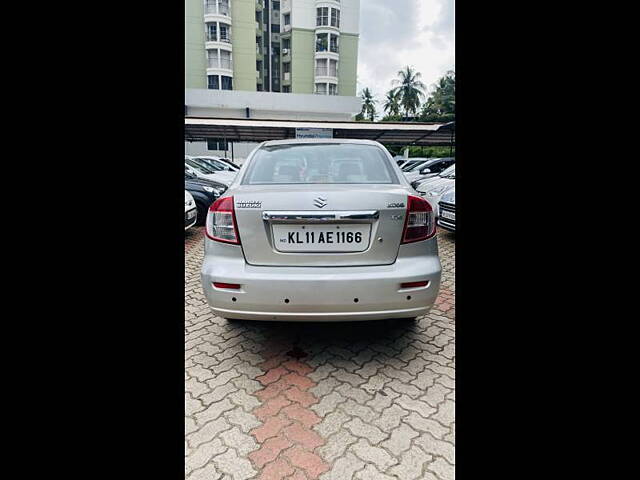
216 162
199 169
190 211
433 188
320 230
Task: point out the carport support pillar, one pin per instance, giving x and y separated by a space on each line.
406 152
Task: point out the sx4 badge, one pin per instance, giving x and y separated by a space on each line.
249 204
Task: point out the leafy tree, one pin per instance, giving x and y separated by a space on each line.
368 106
442 102
411 90
392 103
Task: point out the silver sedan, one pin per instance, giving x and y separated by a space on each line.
320 230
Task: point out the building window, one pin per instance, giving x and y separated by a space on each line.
227 83
322 17
286 89
333 89
275 28
223 7
225 59
334 44
225 33
286 43
212 57
335 17
212 32
287 19
218 144
276 5
321 67
322 42
286 67
321 88
333 68
213 82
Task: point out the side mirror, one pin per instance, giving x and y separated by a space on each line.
425 171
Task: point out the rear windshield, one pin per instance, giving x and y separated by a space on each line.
329 163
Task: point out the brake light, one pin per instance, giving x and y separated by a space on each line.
419 224
228 286
221 223
414 284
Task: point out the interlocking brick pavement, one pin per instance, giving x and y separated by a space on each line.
362 401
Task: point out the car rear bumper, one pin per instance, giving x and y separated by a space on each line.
322 293
190 222
446 224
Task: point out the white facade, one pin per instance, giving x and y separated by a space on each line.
270 105
262 106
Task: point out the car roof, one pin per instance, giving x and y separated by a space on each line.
311 141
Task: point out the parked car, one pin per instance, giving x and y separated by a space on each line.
218 163
320 230
200 169
433 188
204 193
190 211
429 169
411 163
447 210
400 160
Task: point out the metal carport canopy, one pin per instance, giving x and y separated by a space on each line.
250 130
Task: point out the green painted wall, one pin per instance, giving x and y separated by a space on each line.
195 63
244 44
347 76
302 58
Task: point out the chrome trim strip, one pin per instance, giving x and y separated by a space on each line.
307 216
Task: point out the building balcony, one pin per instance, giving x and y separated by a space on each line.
220 42
259 5
286 55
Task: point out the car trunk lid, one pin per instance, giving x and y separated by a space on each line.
320 225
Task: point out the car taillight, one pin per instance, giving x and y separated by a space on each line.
227 286
423 283
419 224
221 222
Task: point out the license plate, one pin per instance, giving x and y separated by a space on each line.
448 215
321 238
191 214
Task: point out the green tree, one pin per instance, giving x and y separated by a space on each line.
442 102
411 90
368 106
392 103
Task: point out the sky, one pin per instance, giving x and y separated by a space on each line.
396 33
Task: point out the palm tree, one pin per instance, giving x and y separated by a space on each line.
368 105
392 104
411 90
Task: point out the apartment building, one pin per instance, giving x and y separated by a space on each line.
287 46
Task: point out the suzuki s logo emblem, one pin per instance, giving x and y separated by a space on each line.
320 202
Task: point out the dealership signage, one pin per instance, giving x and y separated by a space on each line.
314 132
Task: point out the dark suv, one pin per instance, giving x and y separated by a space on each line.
204 192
